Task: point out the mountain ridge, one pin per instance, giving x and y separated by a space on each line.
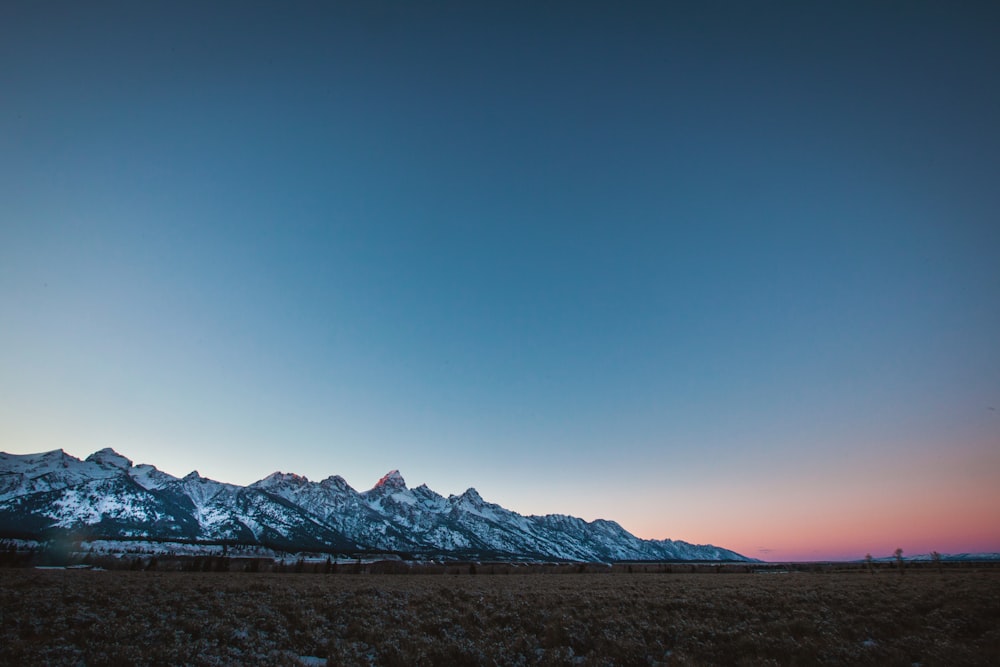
107 496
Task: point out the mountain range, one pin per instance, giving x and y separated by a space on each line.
105 496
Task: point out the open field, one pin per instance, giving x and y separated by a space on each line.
125 617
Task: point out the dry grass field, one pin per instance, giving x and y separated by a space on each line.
75 617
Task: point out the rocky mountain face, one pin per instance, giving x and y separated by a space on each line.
106 496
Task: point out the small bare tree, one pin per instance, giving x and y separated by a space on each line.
868 562
899 560
936 559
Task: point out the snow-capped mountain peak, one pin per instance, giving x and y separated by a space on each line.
22 474
35 465
472 496
337 482
106 496
109 457
391 480
276 478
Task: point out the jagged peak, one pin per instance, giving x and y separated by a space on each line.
472 496
337 482
560 520
389 516
282 478
108 456
391 480
427 493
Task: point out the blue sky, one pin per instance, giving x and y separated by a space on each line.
650 263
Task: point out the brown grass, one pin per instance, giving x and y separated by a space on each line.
152 618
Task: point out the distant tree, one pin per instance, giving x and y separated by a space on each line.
936 559
899 560
868 562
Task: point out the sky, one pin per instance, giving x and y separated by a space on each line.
723 272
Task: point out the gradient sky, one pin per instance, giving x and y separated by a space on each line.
722 272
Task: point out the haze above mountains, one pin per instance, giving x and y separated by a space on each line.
106 496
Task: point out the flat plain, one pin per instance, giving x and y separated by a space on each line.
92 617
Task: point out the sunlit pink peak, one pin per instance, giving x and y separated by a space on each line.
392 480
108 456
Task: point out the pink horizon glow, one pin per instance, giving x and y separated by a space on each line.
922 503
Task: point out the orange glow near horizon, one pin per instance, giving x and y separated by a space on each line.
846 538
919 505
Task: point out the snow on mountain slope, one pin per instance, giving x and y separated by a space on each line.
148 477
108 458
339 506
104 506
249 514
21 474
107 496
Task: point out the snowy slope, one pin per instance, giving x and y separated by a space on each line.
249 515
50 471
105 506
107 496
334 503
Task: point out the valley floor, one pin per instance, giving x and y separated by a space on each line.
93 617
